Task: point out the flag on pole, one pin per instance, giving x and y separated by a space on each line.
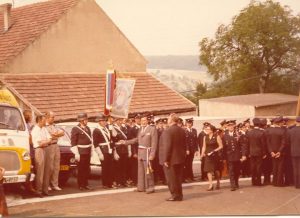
109 90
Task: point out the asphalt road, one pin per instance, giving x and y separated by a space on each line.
248 200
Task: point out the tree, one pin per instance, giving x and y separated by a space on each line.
260 44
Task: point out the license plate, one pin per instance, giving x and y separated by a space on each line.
64 167
11 180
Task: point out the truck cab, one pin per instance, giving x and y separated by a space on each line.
14 141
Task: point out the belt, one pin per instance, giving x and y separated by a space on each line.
104 144
84 146
144 147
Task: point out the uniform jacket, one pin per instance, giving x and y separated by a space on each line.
174 145
257 142
146 137
293 137
133 133
78 137
191 140
121 135
233 149
276 139
99 138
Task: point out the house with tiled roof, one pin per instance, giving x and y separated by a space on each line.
64 36
54 55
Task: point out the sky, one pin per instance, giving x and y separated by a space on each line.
171 27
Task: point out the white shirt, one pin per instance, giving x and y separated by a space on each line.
39 134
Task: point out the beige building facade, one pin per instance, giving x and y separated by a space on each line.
253 105
84 39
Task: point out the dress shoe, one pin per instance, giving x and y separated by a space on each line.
81 188
233 189
210 188
88 188
173 199
38 194
56 188
46 194
150 192
137 190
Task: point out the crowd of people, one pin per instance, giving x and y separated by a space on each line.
144 152
132 151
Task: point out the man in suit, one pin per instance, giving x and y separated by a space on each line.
235 152
257 151
293 137
191 147
147 145
276 144
173 157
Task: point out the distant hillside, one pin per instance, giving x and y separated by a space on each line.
177 62
180 80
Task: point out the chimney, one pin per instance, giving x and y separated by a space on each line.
6 10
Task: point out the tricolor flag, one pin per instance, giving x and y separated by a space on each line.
109 90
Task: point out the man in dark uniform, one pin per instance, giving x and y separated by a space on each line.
159 176
287 162
81 142
293 138
102 140
235 151
245 165
191 146
257 151
267 162
276 144
133 161
123 152
173 157
200 144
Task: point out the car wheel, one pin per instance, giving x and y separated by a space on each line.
63 178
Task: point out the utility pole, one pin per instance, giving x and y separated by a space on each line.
298 105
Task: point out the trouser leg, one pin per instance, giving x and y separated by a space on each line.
40 166
149 178
141 176
56 166
49 162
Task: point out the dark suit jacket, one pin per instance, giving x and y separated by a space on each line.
174 145
294 141
257 142
275 139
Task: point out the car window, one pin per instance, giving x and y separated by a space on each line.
11 118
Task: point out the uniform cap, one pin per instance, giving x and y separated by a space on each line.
206 124
180 120
223 122
189 120
231 122
82 116
137 116
278 120
247 120
100 117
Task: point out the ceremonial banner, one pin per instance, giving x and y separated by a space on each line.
122 97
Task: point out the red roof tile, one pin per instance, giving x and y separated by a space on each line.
68 94
29 22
